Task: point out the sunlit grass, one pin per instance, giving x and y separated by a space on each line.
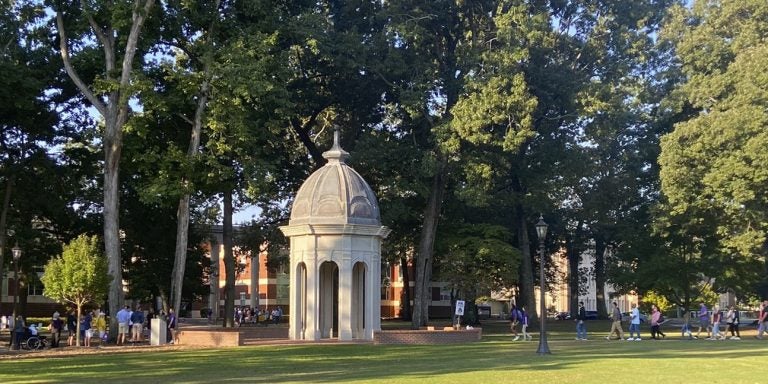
494 360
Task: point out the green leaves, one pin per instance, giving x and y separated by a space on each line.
477 257
714 164
79 276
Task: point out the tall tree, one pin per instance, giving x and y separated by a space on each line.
197 42
592 73
713 165
435 44
109 93
30 129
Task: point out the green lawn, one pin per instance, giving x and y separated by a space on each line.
494 360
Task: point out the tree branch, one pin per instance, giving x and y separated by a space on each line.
139 16
107 41
64 49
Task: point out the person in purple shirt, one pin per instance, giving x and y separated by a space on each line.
172 326
703 320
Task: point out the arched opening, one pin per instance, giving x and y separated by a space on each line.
358 301
329 300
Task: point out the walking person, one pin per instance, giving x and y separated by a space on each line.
687 329
581 326
514 319
762 320
656 320
704 321
524 324
634 323
616 324
56 326
732 319
716 317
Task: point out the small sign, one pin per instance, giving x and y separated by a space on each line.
460 307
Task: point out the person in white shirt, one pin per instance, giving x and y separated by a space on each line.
634 323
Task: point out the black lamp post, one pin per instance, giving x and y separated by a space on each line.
541 231
16 251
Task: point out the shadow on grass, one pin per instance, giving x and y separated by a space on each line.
489 360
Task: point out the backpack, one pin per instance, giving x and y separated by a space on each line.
661 318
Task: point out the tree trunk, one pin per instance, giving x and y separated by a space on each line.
182 214
229 262
112 149
77 326
527 292
471 317
602 310
255 273
405 296
115 113
574 278
180 254
3 225
422 295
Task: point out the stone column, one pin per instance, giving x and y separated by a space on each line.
345 297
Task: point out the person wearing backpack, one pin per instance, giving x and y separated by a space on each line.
581 326
524 322
514 319
656 320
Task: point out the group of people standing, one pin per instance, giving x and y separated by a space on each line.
130 325
91 323
244 315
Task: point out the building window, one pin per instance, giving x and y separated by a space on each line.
435 293
35 288
445 294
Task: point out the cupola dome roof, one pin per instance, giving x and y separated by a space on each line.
335 194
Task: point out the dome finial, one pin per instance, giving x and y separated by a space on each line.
336 153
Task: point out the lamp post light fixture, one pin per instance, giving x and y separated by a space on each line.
16 252
541 232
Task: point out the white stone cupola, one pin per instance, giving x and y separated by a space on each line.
335 236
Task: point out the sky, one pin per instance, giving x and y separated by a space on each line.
246 215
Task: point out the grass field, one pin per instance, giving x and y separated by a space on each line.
494 360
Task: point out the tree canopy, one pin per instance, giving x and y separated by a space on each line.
636 128
79 276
